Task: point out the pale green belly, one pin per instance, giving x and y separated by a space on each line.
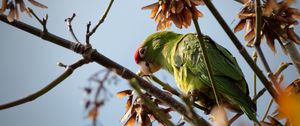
187 82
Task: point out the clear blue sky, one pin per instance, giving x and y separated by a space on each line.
29 63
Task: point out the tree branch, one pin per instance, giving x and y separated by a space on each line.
294 54
69 24
109 64
206 60
90 33
241 49
69 70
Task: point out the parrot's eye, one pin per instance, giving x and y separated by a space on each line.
142 52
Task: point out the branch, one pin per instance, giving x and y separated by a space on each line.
90 33
206 60
109 64
241 49
294 54
69 70
167 87
69 24
259 94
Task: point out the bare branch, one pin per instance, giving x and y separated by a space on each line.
206 60
69 24
90 33
69 70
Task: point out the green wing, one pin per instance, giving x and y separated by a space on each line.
229 78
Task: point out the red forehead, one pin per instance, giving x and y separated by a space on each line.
137 56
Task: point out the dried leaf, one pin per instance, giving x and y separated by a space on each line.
3 7
173 8
160 26
270 5
22 6
11 14
131 120
145 120
188 2
196 13
154 11
128 103
187 16
163 7
35 3
151 6
271 42
197 2
246 15
177 21
250 35
124 93
179 7
93 114
240 26
17 12
128 113
293 36
159 16
295 12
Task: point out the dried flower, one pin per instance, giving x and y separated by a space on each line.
13 7
138 112
180 12
278 21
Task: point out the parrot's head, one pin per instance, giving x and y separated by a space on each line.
149 55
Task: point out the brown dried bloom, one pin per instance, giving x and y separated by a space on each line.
180 12
13 7
138 112
278 21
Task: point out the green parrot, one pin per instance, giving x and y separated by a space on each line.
181 56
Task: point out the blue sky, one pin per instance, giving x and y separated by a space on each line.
29 63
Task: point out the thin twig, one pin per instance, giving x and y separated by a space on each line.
241 49
282 67
167 87
43 22
206 60
294 54
69 24
90 33
259 94
235 117
268 109
69 70
258 27
254 56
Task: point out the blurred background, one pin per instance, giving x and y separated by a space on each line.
28 63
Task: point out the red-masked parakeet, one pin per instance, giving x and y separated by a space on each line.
180 55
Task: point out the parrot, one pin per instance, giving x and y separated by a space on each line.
181 56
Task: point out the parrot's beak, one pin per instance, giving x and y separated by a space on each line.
148 68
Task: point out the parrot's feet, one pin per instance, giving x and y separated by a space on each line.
203 100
